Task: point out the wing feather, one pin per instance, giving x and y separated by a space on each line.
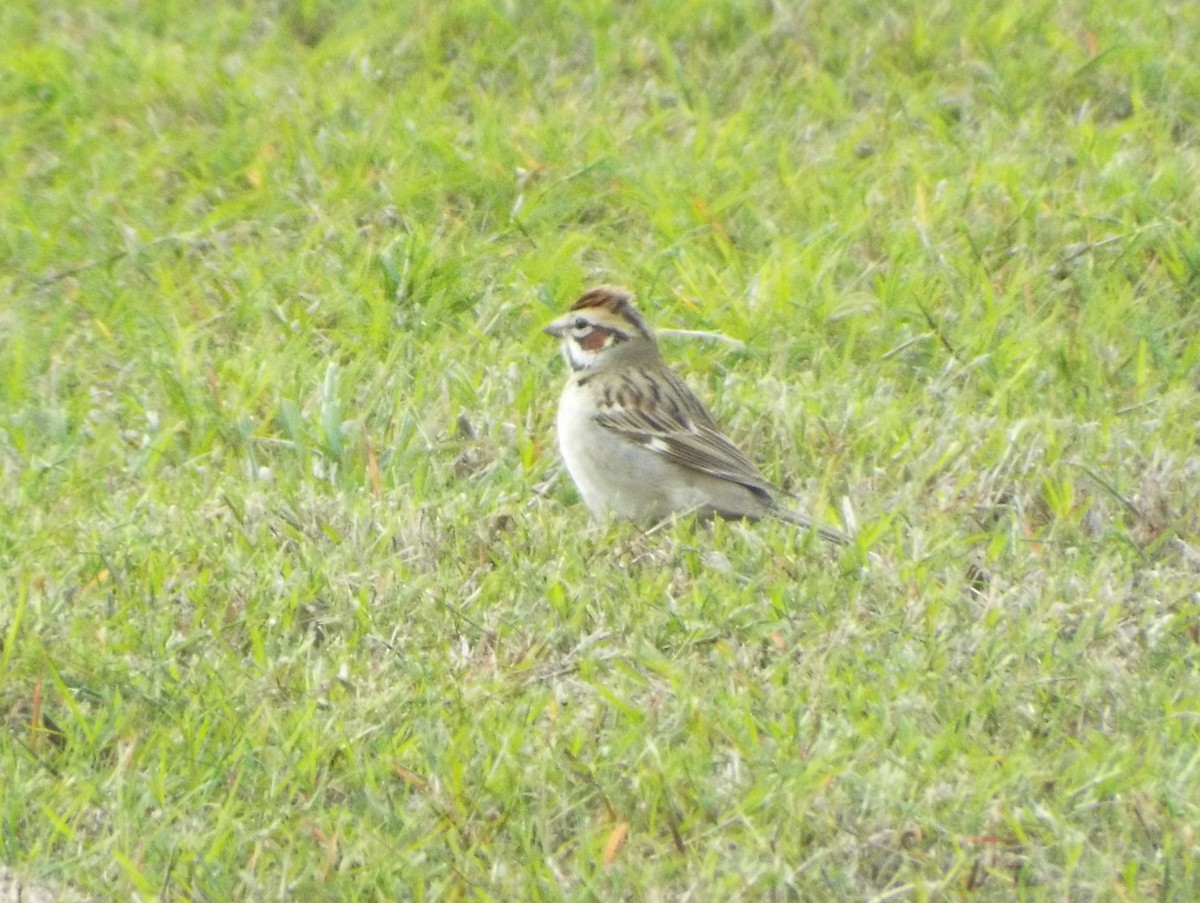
659 411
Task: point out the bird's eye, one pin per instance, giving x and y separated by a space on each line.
581 324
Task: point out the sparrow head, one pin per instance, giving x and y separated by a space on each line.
601 327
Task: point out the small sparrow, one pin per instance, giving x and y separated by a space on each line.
637 442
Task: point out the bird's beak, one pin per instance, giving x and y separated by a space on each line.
557 328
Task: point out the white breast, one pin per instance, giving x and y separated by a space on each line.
616 476
578 438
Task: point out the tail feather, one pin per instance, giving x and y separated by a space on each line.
830 534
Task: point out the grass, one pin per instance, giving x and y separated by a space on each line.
296 605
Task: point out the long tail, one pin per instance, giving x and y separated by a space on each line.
830 534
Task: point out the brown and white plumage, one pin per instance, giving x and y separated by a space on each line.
636 440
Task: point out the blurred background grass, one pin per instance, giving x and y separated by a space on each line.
296 604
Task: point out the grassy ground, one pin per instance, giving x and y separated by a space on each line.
295 604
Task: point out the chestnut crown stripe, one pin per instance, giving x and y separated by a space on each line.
615 301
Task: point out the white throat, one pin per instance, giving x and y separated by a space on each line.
578 358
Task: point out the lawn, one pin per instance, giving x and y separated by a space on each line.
296 601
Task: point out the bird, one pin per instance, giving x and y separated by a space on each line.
637 442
